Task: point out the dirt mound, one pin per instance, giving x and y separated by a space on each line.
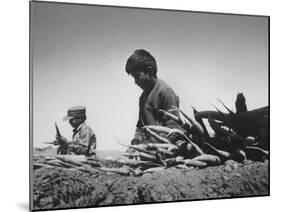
64 188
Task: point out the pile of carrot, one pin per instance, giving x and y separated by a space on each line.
207 139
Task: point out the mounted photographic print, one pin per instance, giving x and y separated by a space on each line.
138 105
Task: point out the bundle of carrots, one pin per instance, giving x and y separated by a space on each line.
236 136
78 162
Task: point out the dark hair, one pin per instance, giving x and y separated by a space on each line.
141 60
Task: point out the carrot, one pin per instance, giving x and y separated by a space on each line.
55 142
181 166
49 158
57 130
215 114
221 153
207 158
86 170
54 163
175 131
40 165
66 160
170 115
230 111
161 145
93 164
158 137
68 165
164 151
160 159
172 162
139 147
159 129
182 120
195 146
188 147
76 158
200 121
137 162
140 154
193 122
154 169
122 171
241 154
250 140
216 127
194 163
132 154
138 151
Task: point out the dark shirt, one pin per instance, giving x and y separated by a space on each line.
160 97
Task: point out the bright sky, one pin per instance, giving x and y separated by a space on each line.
79 54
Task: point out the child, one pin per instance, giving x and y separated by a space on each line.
156 95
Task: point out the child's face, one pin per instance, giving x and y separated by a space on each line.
75 122
142 78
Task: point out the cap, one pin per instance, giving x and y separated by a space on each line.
74 112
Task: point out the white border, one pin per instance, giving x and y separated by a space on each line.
14 103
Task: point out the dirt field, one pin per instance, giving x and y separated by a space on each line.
64 188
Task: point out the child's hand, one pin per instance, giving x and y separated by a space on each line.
175 135
135 141
138 138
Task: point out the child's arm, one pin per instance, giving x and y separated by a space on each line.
168 100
